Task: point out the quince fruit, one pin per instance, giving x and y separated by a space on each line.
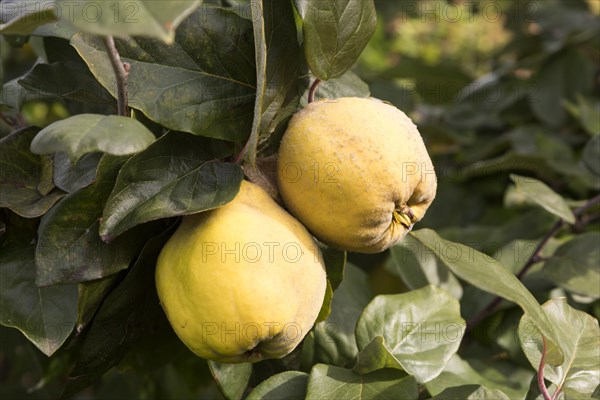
243 282
355 172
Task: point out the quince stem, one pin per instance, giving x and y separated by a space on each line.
313 90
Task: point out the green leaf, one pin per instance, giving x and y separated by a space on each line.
326 306
347 85
587 111
288 385
70 176
459 372
177 175
131 313
574 265
157 19
46 316
335 33
20 18
488 274
579 336
329 382
278 68
204 83
69 247
546 100
419 267
87 133
333 341
21 176
232 379
421 329
539 193
375 356
591 155
471 392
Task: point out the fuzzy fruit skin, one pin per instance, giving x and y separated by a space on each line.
371 161
236 306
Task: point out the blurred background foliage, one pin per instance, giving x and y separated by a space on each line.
495 86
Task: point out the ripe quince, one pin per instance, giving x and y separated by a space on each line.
355 172
243 282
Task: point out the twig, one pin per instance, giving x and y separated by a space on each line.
121 70
534 258
313 90
540 373
238 159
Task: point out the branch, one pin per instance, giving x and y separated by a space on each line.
534 258
313 90
540 373
121 70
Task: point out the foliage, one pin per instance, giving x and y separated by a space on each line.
508 107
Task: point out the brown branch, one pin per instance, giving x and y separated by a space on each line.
313 90
121 70
534 258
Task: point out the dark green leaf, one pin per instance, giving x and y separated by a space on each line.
21 176
71 177
46 316
459 372
278 68
289 385
562 77
232 379
471 392
157 19
436 83
333 340
91 296
580 341
70 80
177 175
574 265
538 192
131 313
13 96
335 262
591 155
419 267
488 274
421 329
329 382
546 99
20 18
69 247
335 33
205 83
87 133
